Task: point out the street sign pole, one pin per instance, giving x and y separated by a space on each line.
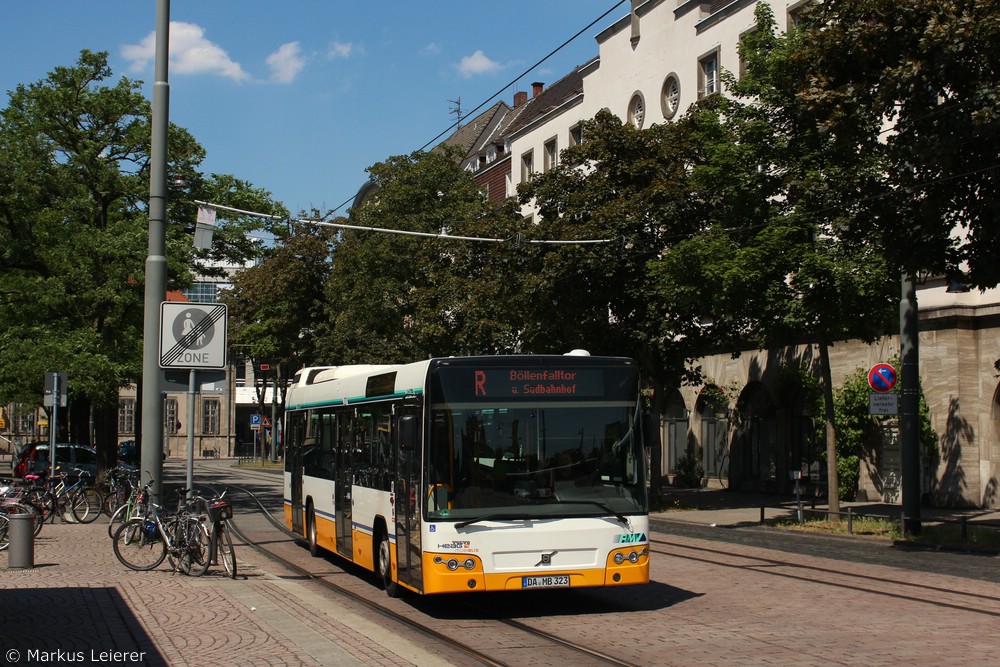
54 425
190 451
55 396
909 425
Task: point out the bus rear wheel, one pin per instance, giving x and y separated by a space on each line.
311 531
385 566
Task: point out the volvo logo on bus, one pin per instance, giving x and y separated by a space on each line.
546 559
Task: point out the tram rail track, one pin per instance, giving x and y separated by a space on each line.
520 650
896 587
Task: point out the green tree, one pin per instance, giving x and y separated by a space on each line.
822 285
917 84
275 307
398 298
74 177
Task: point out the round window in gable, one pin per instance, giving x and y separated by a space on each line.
637 111
670 96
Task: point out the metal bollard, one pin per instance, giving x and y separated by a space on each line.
21 551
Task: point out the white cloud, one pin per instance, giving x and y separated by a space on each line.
477 63
431 49
190 53
340 50
286 63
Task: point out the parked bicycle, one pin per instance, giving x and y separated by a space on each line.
143 542
14 500
129 509
67 495
220 548
120 483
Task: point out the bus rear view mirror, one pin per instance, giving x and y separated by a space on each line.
408 432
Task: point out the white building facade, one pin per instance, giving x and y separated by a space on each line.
653 64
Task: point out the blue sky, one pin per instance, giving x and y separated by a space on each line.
300 97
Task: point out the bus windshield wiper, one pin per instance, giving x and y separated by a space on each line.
523 517
496 517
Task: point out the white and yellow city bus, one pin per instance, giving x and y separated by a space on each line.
472 473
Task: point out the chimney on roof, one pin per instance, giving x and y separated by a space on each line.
536 88
520 97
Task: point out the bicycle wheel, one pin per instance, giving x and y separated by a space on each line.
226 552
4 532
135 549
42 500
86 505
64 508
120 516
195 557
114 500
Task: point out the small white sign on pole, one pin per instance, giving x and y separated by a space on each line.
883 403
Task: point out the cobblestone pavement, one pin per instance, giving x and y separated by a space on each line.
79 604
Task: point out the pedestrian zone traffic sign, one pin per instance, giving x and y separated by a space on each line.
192 335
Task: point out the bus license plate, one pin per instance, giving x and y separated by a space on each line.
555 581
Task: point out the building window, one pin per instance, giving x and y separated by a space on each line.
795 14
708 75
170 424
575 135
637 111
126 415
203 292
24 420
210 416
551 154
527 166
670 96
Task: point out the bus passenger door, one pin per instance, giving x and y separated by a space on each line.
406 452
293 466
342 488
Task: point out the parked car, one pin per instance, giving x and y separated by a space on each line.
128 453
35 458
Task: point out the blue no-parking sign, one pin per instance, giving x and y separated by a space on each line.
882 377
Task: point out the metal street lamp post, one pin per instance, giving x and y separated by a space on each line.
156 260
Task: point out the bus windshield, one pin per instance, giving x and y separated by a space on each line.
516 443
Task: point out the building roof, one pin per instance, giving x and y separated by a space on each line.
555 96
477 132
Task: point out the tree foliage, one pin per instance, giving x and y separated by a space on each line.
916 84
74 187
276 307
396 298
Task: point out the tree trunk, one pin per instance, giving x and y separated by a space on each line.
653 428
832 477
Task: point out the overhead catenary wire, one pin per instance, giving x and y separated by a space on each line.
383 230
508 85
523 74
451 237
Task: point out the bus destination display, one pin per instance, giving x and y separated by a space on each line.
538 382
